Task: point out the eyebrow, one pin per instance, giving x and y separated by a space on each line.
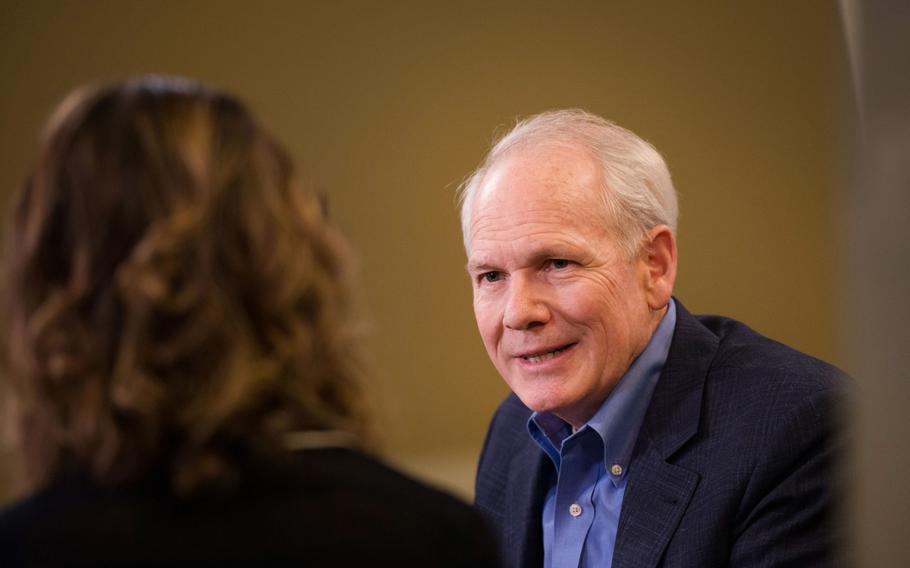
479 267
536 256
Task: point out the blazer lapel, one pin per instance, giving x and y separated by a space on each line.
529 470
658 492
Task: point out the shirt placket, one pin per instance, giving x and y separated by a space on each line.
581 459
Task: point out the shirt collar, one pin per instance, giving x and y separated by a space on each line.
619 418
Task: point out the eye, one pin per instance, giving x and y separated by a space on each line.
559 263
491 276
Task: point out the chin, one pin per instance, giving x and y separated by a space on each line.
539 402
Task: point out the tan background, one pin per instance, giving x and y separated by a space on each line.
389 104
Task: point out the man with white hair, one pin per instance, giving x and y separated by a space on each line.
636 434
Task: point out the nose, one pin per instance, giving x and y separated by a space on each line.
526 305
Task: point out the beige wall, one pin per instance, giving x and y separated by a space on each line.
389 104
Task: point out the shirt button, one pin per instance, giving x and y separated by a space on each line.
616 469
575 510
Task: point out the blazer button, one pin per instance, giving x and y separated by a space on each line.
616 469
575 510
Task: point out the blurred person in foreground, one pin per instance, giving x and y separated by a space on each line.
637 434
183 370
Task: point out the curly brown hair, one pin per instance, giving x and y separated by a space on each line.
175 300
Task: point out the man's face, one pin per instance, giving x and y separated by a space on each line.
562 312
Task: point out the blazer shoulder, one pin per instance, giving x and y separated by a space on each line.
743 352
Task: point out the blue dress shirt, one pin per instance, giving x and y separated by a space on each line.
581 510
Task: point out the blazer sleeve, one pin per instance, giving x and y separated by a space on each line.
788 512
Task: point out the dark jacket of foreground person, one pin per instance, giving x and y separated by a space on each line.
327 507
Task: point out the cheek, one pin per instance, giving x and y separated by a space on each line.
586 303
488 323
609 297
601 314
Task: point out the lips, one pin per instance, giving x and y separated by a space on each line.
535 357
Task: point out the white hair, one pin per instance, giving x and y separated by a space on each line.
638 194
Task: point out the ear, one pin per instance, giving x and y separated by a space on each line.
659 258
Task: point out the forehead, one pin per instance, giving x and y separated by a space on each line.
541 190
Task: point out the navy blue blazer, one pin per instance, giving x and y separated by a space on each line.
734 464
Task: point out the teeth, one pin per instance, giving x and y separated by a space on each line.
544 357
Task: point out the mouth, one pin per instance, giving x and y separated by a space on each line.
542 356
